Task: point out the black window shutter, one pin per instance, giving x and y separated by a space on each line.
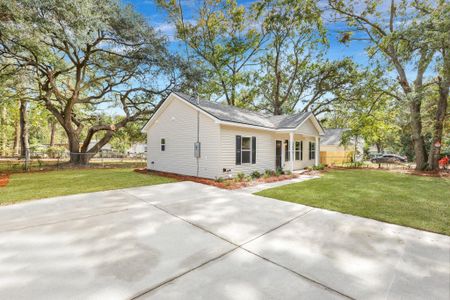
238 149
310 147
301 150
253 149
286 150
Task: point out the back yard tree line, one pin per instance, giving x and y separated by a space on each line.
64 63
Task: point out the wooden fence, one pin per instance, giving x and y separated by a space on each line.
335 158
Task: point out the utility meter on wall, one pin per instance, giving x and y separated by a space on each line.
197 147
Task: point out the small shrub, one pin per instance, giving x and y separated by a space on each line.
358 164
279 172
269 173
56 152
220 179
287 172
318 167
255 175
240 176
40 163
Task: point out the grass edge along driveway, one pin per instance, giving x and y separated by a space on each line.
413 201
38 185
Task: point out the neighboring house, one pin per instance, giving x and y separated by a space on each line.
137 149
332 151
105 149
206 139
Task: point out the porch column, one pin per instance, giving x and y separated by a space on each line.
291 150
317 154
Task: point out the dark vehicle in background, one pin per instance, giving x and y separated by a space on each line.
388 159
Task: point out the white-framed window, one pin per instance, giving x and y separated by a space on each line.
163 144
312 150
298 150
286 150
246 149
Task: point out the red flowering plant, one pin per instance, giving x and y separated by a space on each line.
443 162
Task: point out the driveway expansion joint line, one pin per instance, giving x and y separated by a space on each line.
284 267
65 220
301 275
275 228
181 275
236 247
187 221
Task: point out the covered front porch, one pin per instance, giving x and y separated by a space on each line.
296 150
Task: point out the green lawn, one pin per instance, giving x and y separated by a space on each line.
419 202
29 186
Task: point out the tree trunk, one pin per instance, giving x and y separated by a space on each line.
416 133
16 147
88 154
74 147
277 109
379 148
52 133
441 112
4 137
79 155
24 136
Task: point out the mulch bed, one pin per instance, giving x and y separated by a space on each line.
229 184
4 180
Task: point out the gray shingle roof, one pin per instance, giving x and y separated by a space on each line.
332 136
243 116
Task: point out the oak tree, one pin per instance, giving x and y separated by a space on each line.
85 56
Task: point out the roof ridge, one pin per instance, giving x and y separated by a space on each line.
221 104
230 113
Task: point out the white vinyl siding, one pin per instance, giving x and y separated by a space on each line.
308 128
177 125
265 150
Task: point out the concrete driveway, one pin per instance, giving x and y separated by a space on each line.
190 241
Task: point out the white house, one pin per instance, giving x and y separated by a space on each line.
205 139
334 151
106 148
137 149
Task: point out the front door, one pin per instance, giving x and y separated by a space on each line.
278 149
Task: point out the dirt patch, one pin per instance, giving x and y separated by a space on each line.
4 180
440 173
229 184
314 172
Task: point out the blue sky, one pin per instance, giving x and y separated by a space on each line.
158 19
